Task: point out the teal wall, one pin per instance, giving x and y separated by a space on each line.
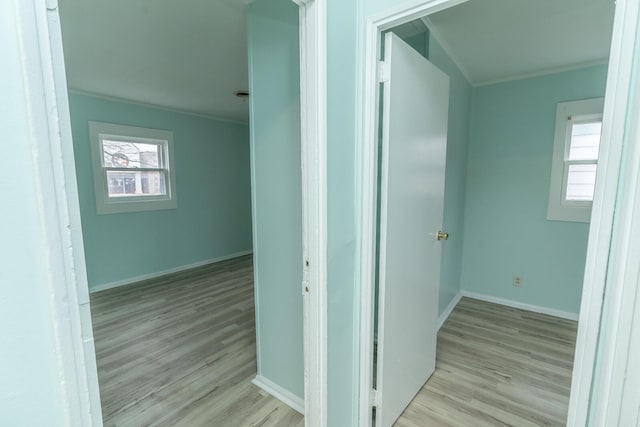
30 393
506 231
274 76
213 218
343 214
420 42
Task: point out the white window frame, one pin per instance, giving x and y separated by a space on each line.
567 114
98 132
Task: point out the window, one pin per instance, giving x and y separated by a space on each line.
575 160
132 168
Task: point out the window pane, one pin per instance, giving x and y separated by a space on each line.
118 154
585 141
136 183
581 182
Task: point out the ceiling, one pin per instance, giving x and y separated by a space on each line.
160 52
194 58
494 40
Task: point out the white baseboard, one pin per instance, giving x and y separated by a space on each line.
515 304
131 280
447 311
285 396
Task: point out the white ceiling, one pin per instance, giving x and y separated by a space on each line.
190 56
494 40
193 56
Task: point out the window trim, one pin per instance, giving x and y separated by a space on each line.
568 113
99 131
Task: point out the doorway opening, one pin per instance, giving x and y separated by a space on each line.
131 173
490 216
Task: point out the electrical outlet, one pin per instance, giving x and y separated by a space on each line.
517 281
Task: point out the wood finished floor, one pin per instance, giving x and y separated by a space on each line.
497 366
180 351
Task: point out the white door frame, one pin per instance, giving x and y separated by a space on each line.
600 269
45 81
614 119
313 99
616 399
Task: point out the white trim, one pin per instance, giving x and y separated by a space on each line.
366 175
522 306
558 209
615 401
254 215
154 275
409 11
313 89
447 49
541 73
285 396
59 211
616 111
99 131
155 106
447 311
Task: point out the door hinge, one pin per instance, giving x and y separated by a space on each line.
305 288
375 398
383 72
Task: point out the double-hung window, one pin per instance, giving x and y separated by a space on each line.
132 168
575 160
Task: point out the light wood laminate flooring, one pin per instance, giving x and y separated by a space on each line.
180 351
497 366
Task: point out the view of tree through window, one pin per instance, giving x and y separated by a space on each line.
133 169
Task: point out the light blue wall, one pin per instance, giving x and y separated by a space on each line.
30 393
456 173
213 218
343 214
506 230
274 76
420 42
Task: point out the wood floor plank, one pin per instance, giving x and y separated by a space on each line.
180 351
497 366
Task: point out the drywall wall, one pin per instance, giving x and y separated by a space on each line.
213 218
274 75
420 42
343 264
506 231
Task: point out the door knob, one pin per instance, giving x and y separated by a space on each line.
441 235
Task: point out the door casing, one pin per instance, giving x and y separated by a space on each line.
45 81
617 95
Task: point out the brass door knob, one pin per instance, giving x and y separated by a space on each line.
442 235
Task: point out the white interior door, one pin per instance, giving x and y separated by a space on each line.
414 126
